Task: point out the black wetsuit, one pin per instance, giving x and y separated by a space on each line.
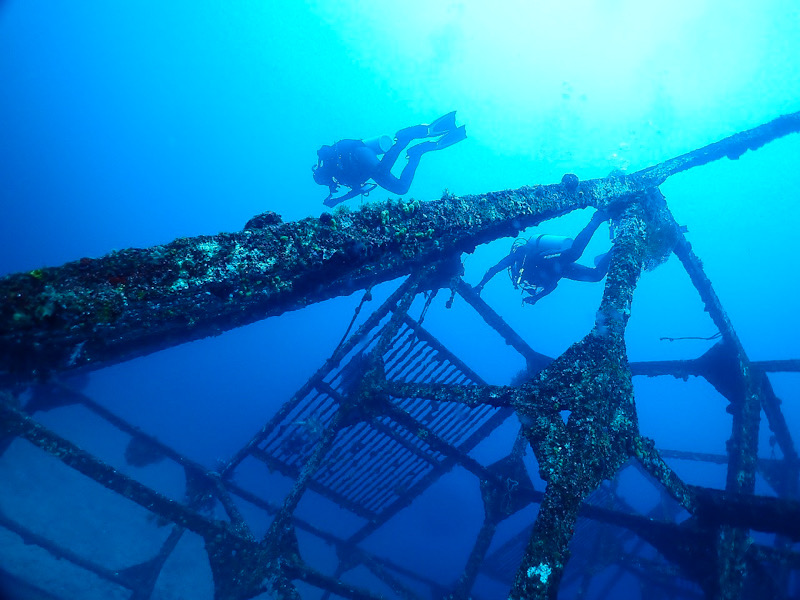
539 275
353 163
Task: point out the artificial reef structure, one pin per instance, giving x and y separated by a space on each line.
392 410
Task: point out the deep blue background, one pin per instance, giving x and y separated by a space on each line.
131 124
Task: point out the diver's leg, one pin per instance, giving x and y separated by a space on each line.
401 139
578 272
582 239
398 185
383 174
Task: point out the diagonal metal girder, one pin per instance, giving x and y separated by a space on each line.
98 311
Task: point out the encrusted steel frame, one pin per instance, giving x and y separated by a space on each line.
385 386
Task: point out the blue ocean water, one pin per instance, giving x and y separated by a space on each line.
129 125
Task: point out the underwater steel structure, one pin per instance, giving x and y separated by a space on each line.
393 409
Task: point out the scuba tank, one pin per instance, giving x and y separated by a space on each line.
549 245
541 246
379 145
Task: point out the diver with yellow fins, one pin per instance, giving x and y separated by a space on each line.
538 264
353 162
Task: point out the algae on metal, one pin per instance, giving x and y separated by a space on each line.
95 312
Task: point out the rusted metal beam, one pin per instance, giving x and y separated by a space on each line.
762 513
592 380
731 147
742 387
95 312
535 360
98 311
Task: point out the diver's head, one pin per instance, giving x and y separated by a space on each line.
326 153
324 169
322 176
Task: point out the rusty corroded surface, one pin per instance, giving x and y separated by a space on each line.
732 147
95 311
133 301
591 381
576 412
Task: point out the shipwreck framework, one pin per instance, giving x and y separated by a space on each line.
393 409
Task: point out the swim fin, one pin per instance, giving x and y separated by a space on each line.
448 139
442 125
451 137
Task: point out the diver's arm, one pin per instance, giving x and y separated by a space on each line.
503 264
331 201
540 293
583 238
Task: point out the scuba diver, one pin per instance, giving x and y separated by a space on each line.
536 265
352 162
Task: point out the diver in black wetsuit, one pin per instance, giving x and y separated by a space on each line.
536 265
352 162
